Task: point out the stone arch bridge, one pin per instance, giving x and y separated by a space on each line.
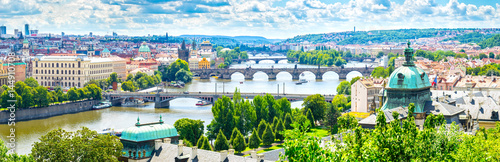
272 72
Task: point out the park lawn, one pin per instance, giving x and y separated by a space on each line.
317 132
265 150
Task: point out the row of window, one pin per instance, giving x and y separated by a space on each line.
100 65
57 78
101 71
65 65
57 72
62 84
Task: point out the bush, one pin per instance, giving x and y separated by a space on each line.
268 135
254 140
221 142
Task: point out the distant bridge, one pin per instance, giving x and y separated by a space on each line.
272 72
360 59
162 100
257 60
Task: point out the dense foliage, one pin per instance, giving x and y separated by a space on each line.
473 37
491 42
488 70
6 155
398 140
229 55
189 129
39 96
221 142
179 66
320 57
82 145
316 104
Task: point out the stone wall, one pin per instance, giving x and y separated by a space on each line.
45 112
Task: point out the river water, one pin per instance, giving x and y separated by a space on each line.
27 132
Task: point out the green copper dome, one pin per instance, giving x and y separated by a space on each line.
105 50
408 77
25 41
148 132
407 84
144 48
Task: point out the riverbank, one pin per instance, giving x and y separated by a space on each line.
49 111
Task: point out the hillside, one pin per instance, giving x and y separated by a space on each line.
380 36
230 40
491 42
474 37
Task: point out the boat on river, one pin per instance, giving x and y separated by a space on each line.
301 81
202 103
112 132
133 103
102 105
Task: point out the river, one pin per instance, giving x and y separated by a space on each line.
27 132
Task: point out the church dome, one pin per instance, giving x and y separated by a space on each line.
408 77
25 41
105 50
146 132
144 48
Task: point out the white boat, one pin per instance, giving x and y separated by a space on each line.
132 103
202 103
102 105
301 81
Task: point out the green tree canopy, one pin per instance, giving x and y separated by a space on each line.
84 144
317 104
268 135
344 88
221 142
189 129
254 140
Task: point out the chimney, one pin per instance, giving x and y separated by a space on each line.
158 144
181 142
194 152
223 155
180 147
253 153
260 157
231 151
167 140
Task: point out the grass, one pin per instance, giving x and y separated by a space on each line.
317 132
3 109
264 150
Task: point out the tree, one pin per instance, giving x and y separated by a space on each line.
283 107
221 142
491 55
173 68
31 82
288 121
344 88
380 54
268 135
353 80
332 115
278 131
6 96
27 97
19 87
73 94
233 136
482 55
222 66
128 86
184 76
310 117
347 122
4 156
317 104
380 72
94 91
204 144
42 96
254 140
84 144
260 108
223 111
261 128
239 142
189 129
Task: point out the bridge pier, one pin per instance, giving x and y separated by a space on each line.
319 76
272 76
226 76
161 104
295 76
256 61
276 61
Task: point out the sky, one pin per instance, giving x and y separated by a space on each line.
269 18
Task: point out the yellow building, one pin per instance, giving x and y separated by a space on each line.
73 70
3 75
204 64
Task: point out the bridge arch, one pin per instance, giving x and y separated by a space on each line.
260 76
330 75
353 74
237 76
168 99
284 75
308 75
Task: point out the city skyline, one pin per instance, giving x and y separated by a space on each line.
268 18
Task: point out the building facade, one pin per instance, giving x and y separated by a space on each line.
204 64
364 93
73 70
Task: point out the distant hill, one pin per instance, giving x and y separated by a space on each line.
491 42
380 36
231 40
474 37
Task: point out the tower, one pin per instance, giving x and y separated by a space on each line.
183 52
105 53
90 51
26 48
144 51
26 29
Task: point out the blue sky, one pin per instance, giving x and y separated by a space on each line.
268 18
